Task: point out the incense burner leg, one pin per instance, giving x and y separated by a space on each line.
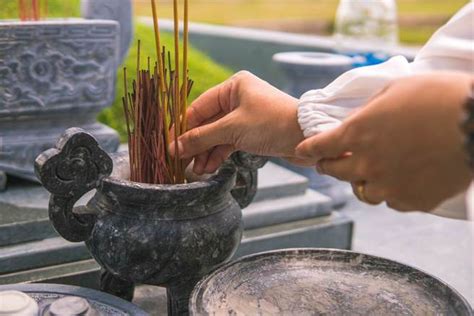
178 297
115 286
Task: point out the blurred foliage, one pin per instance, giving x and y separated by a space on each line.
205 73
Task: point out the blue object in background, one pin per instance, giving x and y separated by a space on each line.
368 59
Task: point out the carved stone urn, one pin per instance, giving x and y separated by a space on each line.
55 74
165 235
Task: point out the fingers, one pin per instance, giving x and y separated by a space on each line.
211 160
331 144
201 139
345 168
214 102
200 163
217 158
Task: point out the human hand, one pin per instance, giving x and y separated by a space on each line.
244 113
405 146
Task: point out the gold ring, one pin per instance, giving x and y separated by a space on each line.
360 193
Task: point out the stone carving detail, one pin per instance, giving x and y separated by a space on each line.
57 66
53 75
68 172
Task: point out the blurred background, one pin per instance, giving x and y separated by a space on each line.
417 20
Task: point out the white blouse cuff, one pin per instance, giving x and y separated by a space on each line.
324 109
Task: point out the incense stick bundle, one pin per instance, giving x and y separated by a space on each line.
155 108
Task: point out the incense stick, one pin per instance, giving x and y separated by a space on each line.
185 65
36 13
31 9
157 102
21 10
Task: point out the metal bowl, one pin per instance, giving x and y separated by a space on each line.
323 281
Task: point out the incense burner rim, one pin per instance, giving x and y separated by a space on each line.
223 175
167 202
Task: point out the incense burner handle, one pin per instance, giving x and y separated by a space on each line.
247 176
76 166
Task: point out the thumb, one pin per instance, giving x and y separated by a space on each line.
330 144
200 139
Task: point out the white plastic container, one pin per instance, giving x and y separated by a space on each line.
15 303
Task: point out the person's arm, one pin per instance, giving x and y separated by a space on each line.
406 145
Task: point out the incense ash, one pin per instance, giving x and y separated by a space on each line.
155 108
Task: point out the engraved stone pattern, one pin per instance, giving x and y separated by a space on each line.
48 65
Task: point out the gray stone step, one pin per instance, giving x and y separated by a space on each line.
331 231
24 213
277 182
19 232
36 254
85 272
287 209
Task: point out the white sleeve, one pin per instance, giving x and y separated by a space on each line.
450 48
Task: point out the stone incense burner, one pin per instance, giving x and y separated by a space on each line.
166 235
